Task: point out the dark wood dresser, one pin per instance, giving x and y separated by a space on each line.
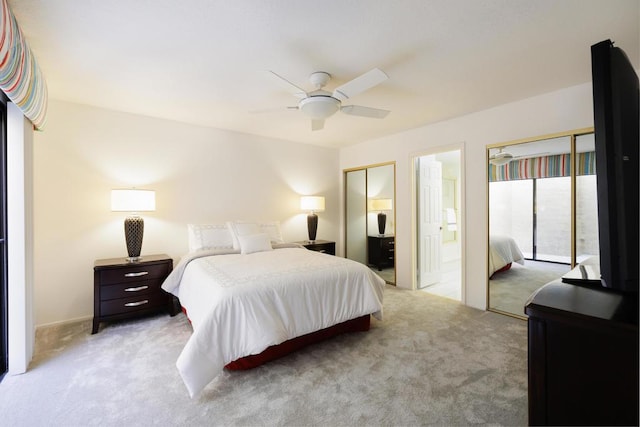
583 356
381 251
124 289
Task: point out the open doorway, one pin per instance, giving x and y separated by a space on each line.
438 181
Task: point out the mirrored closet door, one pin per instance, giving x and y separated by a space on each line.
543 216
370 217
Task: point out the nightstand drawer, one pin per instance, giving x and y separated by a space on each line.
128 290
387 244
132 304
135 273
381 251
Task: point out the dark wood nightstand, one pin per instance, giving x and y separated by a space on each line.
124 289
325 246
381 251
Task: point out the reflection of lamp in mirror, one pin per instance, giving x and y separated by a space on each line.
381 205
133 201
312 204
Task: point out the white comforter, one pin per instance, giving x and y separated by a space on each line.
241 304
502 251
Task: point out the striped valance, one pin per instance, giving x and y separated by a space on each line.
20 76
543 167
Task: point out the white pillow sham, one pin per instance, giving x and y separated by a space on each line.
245 228
255 243
239 228
209 236
272 229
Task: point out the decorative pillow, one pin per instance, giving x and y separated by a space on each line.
209 236
272 229
239 228
254 243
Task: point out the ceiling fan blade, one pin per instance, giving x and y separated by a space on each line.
297 91
359 110
317 124
271 110
360 84
532 155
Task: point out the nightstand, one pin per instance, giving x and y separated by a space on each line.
381 251
324 246
124 289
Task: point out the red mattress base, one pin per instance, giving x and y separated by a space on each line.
359 324
505 268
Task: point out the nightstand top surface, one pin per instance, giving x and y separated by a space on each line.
122 262
314 242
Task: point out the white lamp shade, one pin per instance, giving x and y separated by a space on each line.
312 203
133 200
381 204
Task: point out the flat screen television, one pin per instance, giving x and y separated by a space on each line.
615 106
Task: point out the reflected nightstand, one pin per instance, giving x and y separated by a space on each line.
325 246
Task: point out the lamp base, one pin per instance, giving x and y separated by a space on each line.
133 232
312 226
382 222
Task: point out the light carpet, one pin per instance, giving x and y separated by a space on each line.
509 290
431 361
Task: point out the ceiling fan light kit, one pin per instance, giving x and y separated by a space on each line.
500 159
319 107
319 104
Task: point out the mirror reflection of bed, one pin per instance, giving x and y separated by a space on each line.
536 232
512 278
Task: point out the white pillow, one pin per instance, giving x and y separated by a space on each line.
239 228
272 229
209 236
254 243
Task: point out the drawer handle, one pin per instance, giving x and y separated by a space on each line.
139 288
137 303
141 273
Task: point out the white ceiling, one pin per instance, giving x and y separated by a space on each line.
206 61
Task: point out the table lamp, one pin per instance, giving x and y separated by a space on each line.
133 201
312 204
381 205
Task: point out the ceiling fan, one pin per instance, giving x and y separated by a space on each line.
320 104
500 158
503 157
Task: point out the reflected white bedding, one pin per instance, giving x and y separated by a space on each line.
503 250
241 304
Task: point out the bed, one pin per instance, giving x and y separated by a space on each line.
246 304
503 251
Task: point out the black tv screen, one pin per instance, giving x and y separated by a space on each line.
616 110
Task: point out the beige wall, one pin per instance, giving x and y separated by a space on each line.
208 175
562 110
200 175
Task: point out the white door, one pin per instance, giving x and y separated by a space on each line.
430 226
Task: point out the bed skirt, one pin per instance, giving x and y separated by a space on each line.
359 324
505 268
